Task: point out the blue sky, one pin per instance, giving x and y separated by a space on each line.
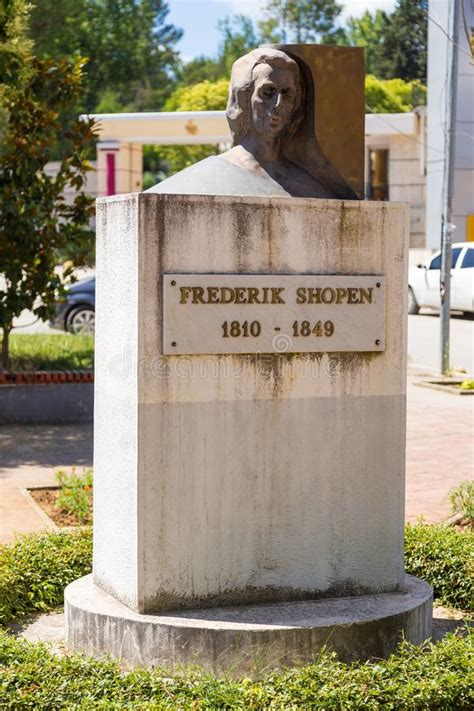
199 18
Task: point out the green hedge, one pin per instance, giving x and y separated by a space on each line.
444 557
439 676
35 569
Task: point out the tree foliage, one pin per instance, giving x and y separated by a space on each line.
204 96
393 96
36 220
402 51
129 45
395 45
366 31
306 20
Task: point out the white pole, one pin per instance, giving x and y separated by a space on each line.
447 224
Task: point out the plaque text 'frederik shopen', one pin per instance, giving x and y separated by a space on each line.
257 313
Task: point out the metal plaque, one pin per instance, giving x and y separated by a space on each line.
257 313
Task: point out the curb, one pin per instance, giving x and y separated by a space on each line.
49 523
41 377
444 386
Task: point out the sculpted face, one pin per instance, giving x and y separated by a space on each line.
273 99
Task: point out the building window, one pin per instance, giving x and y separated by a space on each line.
378 174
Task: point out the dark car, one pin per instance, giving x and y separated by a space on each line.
76 312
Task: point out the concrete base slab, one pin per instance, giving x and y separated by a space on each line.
247 639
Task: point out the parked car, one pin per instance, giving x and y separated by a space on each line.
76 312
423 280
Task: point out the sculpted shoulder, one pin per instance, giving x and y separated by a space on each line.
216 176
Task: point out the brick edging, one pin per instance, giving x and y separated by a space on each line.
46 376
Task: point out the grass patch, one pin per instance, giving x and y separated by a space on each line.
35 569
444 557
38 351
437 676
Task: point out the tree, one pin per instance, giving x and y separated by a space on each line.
36 221
366 31
402 52
306 20
199 69
129 45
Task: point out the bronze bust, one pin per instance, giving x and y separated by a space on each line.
265 109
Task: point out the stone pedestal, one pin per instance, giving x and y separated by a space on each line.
248 639
244 479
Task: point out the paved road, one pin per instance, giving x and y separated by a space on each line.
423 341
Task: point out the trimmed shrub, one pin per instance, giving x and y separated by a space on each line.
444 557
35 569
439 676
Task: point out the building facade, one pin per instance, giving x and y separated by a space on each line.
450 92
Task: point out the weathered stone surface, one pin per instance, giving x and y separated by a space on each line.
245 639
240 479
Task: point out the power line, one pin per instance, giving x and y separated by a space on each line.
402 133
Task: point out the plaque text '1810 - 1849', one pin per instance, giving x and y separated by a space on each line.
260 313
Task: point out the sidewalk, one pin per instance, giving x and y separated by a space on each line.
440 448
440 455
29 456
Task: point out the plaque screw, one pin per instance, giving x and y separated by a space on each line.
377 342
173 343
377 285
173 283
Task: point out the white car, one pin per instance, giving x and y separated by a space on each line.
423 280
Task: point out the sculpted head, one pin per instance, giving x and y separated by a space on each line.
265 95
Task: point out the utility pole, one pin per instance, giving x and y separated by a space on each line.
447 228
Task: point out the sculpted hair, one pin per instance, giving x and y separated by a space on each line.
241 88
